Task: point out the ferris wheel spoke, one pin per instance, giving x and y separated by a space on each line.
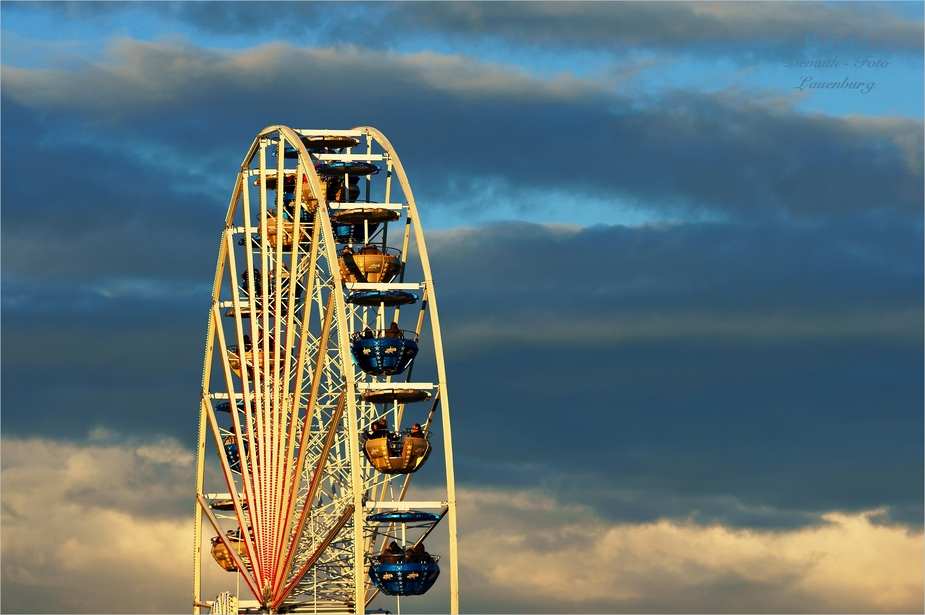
232 551
313 485
243 458
331 535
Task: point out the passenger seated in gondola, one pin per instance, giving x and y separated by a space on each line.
333 187
247 342
380 429
347 251
417 555
368 334
370 249
416 431
392 554
271 341
353 191
393 331
394 443
258 283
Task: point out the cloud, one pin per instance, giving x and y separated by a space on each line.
114 513
709 26
547 556
712 27
722 281
752 375
741 364
96 528
138 77
733 153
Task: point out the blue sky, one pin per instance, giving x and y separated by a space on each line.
643 235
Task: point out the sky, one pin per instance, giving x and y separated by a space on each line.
680 286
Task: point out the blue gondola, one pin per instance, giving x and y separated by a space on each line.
288 199
355 167
231 451
388 298
305 216
384 356
405 578
226 406
352 233
403 516
322 145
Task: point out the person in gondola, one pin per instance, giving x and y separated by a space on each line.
416 431
257 282
369 249
393 331
416 554
347 251
353 189
380 429
272 339
336 189
395 444
392 554
368 334
258 286
247 343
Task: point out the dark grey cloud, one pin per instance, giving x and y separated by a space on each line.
100 205
717 26
711 370
755 371
808 402
131 364
742 31
864 265
462 123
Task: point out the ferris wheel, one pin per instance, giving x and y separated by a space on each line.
312 423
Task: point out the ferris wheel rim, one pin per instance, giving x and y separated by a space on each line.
351 395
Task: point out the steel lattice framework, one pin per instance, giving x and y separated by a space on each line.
283 406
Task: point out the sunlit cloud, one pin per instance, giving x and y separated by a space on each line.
105 526
566 558
96 528
138 76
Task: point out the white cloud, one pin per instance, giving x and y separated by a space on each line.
148 288
139 75
95 528
561 555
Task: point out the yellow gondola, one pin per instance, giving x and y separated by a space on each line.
412 453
